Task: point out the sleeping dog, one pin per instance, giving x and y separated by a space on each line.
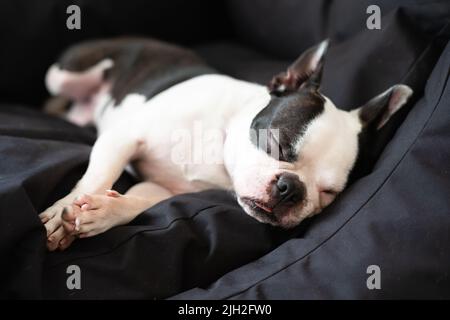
285 149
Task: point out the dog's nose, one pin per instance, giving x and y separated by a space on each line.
289 189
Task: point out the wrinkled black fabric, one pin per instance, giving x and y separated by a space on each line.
202 246
176 245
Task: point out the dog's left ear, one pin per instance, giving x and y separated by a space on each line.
306 70
380 108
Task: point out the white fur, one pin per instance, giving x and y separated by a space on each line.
178 109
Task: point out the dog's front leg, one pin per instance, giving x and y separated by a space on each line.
110 154
101 212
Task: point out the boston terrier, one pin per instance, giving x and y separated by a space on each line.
284 149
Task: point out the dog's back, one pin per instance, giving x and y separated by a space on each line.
125 65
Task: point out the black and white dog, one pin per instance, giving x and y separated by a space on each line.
285 149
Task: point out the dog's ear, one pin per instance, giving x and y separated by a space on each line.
306 70
380 108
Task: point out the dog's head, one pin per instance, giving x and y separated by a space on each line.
300 149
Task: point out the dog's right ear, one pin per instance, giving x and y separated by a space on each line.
379 109
308 64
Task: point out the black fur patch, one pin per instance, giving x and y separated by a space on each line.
141 65
290 114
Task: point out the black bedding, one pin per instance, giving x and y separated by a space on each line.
203 246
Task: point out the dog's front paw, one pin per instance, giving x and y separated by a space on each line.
94 214
52 220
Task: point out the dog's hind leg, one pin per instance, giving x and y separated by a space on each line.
79 77
77 86
111 153
80 87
